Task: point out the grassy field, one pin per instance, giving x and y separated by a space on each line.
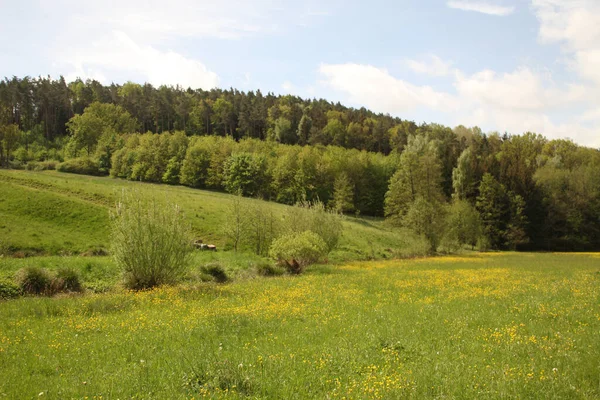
55 213
500 325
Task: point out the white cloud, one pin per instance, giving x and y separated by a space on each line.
142 39
430 65
576 25
288 87
159 20
119 52
376 88
519 101
484 7
520 90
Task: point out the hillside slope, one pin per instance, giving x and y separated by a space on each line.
56 213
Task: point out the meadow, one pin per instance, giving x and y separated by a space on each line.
490 325
52 213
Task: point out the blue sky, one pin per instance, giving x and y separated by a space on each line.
505 65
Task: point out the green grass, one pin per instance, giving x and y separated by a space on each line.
57 213
100 274
500 325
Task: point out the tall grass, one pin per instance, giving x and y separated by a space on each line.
151 241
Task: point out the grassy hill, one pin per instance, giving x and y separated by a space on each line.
55 213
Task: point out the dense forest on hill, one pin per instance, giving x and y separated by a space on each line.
498 191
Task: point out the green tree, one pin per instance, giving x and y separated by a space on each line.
236 224
304 128
9 137
98 119
194 169
463 176
427 219
223 117
282 131
418 175
463 225
343 194
246 173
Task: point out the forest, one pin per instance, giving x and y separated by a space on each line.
491 190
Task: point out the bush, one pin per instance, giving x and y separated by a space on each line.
41 165
34 280
216 271
9 290
151 242
82 165
313 216
297 250
66 280
268 269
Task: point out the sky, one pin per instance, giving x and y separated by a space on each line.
503 65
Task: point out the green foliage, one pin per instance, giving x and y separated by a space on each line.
463 225
82 165
427 219
282 131
9 290
42 165
295 251
216 271
97 120
223 116
245 173
194 171
570 186
502 214
419 175
314 217
9 135
343 194
265 268
261 227
34 280
67 280
463 176
150 241
236 224
494 209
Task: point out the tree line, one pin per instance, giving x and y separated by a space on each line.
491 190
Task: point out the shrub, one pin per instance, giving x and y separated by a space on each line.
297 250
41 165
151 242
66 280
9 290
216 271
34 280
268 269
313 216
82 165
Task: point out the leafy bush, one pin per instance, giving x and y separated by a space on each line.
151 242
313 216
41 165
463 225
9 290
297 250
66 280
268 269
82 165
216 271
34 280
427 219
